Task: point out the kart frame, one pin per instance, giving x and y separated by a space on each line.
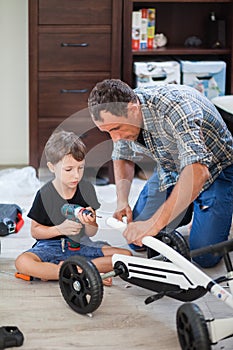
174 276
178 272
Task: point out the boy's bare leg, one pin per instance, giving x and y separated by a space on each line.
109 251
104 264
29 264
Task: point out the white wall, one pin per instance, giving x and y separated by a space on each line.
14 118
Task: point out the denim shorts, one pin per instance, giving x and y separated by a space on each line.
53 252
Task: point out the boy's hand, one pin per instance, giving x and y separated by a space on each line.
69 228
88 219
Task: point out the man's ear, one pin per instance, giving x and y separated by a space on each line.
50 166
132 106
134 111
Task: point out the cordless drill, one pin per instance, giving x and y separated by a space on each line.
70 212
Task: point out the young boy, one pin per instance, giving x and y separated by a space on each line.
57 237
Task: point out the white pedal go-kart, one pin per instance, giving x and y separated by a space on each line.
167 271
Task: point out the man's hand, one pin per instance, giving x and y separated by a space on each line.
135 231
124 212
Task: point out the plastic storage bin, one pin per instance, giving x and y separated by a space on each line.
153 73
209 77
225 106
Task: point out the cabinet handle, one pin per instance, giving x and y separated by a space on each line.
75 91
74 45
207 77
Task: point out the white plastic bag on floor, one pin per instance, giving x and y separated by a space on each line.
18 185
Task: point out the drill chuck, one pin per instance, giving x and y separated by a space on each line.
70 211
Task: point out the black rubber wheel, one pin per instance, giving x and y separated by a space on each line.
173 239
81 284
191 328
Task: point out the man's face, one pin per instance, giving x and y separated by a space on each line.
121 127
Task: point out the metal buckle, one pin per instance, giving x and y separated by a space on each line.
10 225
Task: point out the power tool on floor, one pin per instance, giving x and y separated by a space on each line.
10 336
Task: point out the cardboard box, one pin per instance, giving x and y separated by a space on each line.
153 73
208 77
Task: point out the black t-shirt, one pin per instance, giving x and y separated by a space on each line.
46 208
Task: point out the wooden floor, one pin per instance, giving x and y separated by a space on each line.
122 321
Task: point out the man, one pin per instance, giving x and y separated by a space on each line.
193 150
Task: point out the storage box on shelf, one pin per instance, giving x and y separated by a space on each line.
208 77
150 73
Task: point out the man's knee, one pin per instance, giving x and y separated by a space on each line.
207 260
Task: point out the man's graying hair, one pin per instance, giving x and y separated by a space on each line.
110 95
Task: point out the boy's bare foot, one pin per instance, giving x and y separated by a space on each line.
107 282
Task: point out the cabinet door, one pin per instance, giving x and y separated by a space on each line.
90 12
73 44
61 95
74 52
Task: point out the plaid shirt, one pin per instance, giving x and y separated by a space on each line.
181 127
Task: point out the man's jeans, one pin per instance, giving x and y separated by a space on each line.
212 212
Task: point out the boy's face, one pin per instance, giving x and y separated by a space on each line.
68 172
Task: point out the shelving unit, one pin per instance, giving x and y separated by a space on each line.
178 20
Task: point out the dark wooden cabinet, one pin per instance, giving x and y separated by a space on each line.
178 20
73 44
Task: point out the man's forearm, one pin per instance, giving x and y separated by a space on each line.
186 190
124 173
